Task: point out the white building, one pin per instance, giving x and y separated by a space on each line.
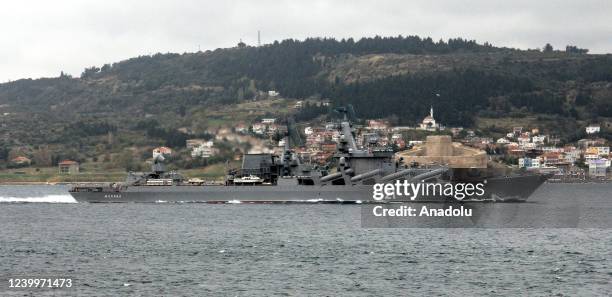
308 131
523 139
599 168
503 140
552 149
429 122
191 143
161 151
401 128
539 139
335 136
603 150
571 154
590 157
592 129
330 127
241 128
529 163
529 145
259 128
204 150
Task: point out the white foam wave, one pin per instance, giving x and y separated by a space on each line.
42 199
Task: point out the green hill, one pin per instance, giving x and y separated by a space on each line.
143 101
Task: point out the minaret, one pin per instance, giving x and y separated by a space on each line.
431 112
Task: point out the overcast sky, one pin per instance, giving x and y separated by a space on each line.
41 38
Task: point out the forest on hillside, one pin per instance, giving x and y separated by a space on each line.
390 77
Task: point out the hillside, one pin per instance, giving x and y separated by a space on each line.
142 101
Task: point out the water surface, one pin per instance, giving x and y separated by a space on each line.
246 250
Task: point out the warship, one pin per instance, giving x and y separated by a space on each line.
284 178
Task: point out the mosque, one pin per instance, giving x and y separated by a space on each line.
429 123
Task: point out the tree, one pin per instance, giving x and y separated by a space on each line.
572 49
548 48
126 160
42 157
89 72
105 68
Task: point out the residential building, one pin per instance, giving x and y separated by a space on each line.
456 130
204 150
21 161
598 168
584 143
259 128
377 125
538 139
503 140
529 163
590 157
241 128
571 154
329 147
592 129
272 128
553 158
191 143
162 150
603 150
68 167
529 145
401 128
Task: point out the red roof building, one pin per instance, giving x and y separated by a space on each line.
68 167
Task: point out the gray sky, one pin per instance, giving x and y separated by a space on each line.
40 38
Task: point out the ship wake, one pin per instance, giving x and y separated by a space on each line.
40 199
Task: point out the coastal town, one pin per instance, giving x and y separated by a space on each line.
315 141
524 147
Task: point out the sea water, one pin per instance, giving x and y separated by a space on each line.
303 249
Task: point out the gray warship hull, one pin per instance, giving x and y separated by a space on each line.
514 188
